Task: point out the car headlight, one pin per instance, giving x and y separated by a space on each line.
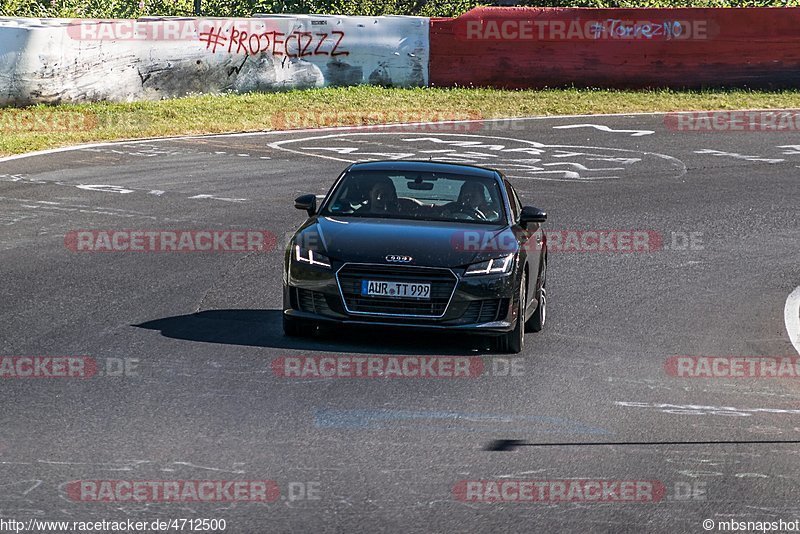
500 265
304 255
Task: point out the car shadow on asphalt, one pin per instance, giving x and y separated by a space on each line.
264 328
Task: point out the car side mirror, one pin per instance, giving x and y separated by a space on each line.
532 215
308 203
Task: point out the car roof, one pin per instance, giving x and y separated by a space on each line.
424 166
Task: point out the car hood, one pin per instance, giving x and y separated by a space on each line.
429 243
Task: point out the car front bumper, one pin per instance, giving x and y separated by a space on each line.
479 304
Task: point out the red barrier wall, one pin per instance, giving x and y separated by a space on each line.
623 48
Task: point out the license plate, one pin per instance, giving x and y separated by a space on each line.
375 288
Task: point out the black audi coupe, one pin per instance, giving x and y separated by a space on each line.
418 244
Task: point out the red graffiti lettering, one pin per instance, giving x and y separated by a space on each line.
286 45
234 38
254 47
276 41
304 46
338 42
317 51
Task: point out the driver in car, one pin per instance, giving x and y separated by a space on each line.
472 203
383 198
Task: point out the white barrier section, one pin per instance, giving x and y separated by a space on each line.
57 60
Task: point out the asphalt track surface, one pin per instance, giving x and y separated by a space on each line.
386 454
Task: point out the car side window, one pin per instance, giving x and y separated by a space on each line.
513 199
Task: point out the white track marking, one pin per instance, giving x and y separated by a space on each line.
583 167
346 128
792 150
212 197
694 409
489 143
46 207
791 316
105 188
102 188
340 129
734 155
603 128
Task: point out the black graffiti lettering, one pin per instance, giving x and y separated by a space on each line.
237 70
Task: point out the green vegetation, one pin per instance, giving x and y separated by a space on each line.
41 127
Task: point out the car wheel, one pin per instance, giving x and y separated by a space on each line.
513 341
536 322
296 327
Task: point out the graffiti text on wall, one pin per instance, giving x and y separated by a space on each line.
296 44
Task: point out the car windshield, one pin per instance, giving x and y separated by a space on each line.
417 195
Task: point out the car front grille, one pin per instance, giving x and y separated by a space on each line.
443 283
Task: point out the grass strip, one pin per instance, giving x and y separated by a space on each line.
41 127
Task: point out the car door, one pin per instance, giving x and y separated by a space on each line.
530 238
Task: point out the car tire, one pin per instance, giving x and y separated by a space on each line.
537 320
513 342
296 327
